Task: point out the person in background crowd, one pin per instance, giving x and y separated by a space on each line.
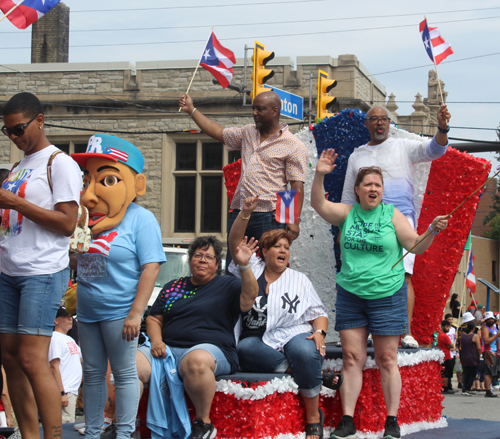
272 157
470 352
445 344
65 363
479 314
455 355
489 335
115 278
455 306
37 221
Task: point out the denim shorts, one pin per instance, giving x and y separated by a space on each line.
385 316
29 304
222 366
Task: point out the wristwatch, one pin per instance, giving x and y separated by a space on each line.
323 333
444 131
63 393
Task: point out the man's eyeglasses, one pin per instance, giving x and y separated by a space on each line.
18 131
375 119
200 256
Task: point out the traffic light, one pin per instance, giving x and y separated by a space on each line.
324 102
260 74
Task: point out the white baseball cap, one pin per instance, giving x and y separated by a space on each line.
467 317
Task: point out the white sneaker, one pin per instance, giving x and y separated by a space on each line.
79 426
496 387
408 342
82 431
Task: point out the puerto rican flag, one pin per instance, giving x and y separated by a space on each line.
470 281
218 61
287 207
437 48
102 245
117 154
27 12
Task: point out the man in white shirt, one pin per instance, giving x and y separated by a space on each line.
65 363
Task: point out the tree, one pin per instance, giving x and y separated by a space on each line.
493 217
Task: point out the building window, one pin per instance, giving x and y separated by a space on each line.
494 272
200 195
71 147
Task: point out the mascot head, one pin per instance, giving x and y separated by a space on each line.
112 179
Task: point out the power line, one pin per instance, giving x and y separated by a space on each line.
267 23
322 32
199 6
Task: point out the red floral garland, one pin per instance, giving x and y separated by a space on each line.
452 179
284 413
232 174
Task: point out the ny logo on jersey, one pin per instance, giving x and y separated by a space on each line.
292 303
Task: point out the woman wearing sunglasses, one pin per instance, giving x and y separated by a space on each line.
34 239
371 294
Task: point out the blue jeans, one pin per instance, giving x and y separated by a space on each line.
258 223
302 355
28 304
100 341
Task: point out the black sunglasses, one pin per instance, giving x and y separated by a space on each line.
19 131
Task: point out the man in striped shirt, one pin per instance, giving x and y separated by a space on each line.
271 157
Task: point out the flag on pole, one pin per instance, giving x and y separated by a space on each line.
287 207
437 48
28 12
470 281
218 61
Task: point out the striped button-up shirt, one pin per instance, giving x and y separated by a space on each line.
266 167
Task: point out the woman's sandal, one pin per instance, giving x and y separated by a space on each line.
329 379
317 428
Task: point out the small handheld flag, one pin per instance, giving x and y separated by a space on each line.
437 48
287 207
470 281
218 61
23 13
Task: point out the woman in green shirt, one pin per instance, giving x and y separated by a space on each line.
371 295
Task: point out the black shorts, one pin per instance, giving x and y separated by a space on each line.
447 370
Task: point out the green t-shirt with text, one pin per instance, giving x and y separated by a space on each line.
369 249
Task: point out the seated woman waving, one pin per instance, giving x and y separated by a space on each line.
371 295
286 326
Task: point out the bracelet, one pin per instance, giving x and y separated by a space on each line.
433 232
63 393
323 333
244 217
445 130
193 112
244 267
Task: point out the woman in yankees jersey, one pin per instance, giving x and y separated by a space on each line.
287 325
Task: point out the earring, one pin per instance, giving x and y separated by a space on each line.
40 127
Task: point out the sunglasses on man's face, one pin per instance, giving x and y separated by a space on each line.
18 131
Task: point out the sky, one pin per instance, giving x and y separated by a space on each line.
383 35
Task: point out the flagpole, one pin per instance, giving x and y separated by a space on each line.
198 65
464 285
448 216
12 9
